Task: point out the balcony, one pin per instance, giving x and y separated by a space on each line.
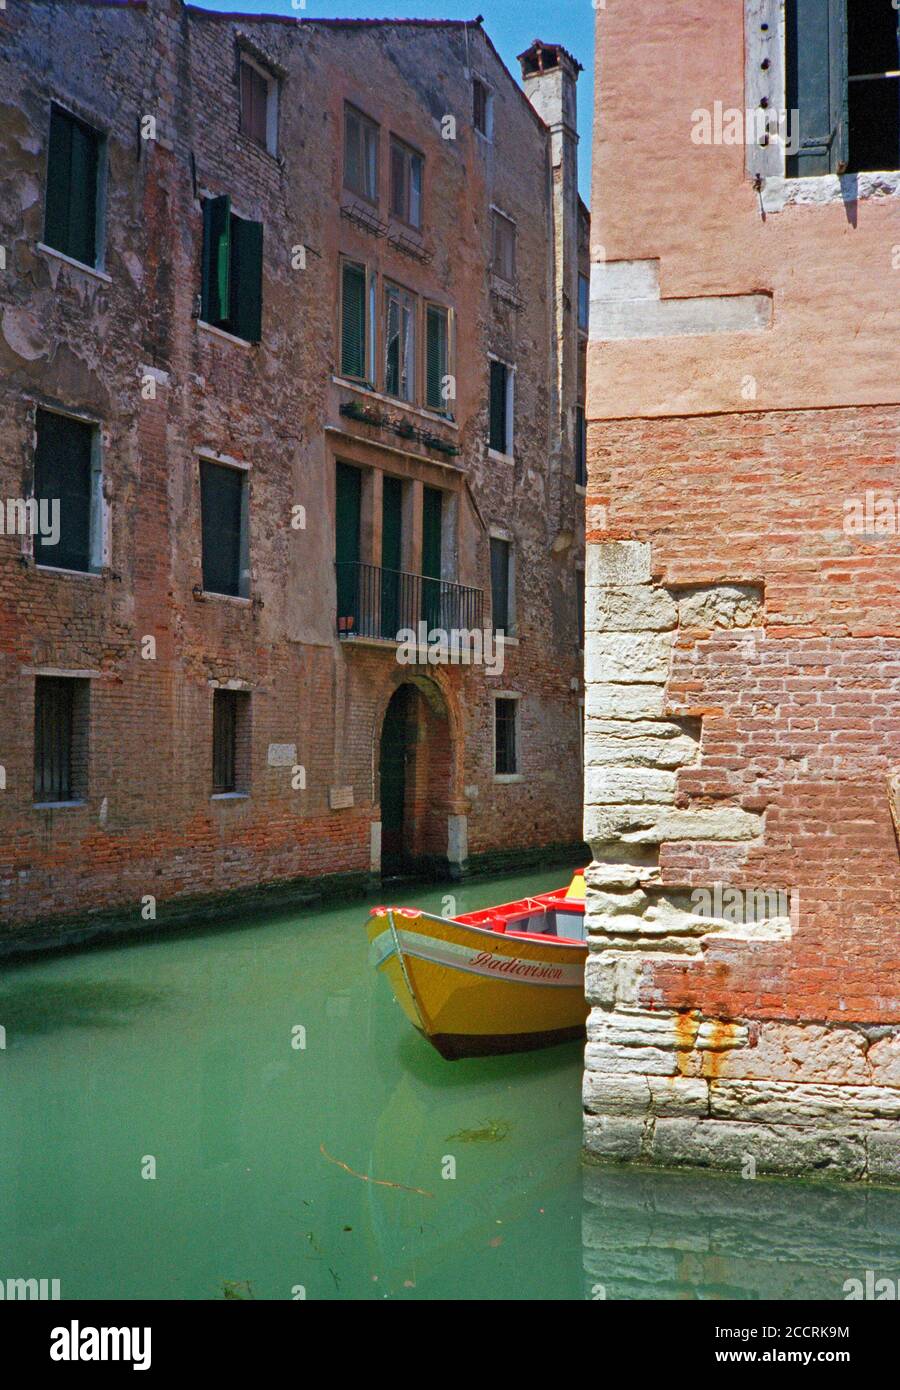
379 604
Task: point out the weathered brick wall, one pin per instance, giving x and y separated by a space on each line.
74 341
743 705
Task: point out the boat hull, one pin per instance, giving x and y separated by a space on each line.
476 992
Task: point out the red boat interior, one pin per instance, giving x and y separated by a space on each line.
547 914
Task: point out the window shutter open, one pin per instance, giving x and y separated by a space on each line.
353 321
498 408
246 279
83 195
216 291
435 357
817 86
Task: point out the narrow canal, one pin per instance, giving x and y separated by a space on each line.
305 1139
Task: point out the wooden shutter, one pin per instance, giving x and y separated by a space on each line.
399 196
436 335
216 288
72 167
62 473
222 521
498 430
391 555
347 514
816 42
353 321
246 279
500 584
432 528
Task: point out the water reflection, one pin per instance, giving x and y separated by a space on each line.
654 1234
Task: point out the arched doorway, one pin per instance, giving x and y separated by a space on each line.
414 780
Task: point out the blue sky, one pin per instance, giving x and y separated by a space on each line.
512 24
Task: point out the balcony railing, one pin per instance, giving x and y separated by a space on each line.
380 603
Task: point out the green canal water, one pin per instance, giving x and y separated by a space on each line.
184 1053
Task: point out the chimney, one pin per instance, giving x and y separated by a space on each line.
549 75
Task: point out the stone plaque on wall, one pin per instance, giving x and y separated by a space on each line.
340 798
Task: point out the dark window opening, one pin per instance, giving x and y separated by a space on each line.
73 165
64 488
580 447
231 741
499 430
584 303
60 738
873 98
503 260
501 552
224 524
399 343
480 107
579 600
505 761
231 293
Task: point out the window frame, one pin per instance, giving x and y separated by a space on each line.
238 701
503 537
513 699
368 342
101 135
98 518
270 143
227 324
584 301
508 452
433 305
500 218
350 109
408 154
77 740
487 130
244 577
412 355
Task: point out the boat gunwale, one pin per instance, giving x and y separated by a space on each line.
564 942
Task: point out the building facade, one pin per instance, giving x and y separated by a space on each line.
743 566
293 457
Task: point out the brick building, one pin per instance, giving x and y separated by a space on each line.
292 349
743 567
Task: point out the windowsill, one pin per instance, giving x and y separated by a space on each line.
226 598
57 805
581 489
508 777
223 333
363 197
817 190
230 796
500 458
368 391
75 574
78 265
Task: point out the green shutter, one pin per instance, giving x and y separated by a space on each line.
83 195
246 279
353 321
73 160
498 431
347 514
216 291
391 555
817 86
62 474
435 357
59 164
222 524
432 519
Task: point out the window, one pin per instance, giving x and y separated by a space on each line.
406 184
439 392
500 435
579 600
360 154
503 259
501 585
353 320
399 343
73 181
843 79
581 476
67 491
231 294
482 104
584 303
60 738
224 524
231 742
259 106
505 752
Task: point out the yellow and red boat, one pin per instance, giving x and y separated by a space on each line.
505 979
